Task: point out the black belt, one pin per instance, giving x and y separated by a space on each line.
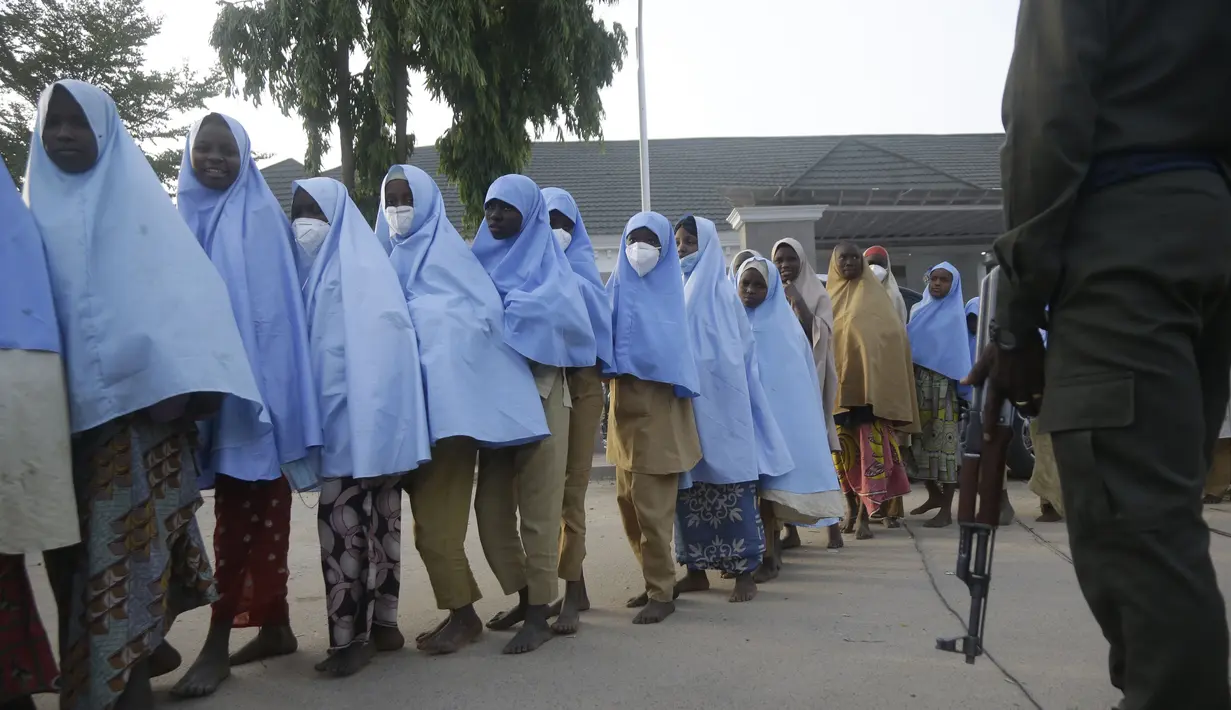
1115 168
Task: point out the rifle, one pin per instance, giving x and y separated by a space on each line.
980 482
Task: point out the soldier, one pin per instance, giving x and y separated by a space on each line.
1119 216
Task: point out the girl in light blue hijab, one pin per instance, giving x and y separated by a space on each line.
365 359
808 494
150 346
585 386
38 507
652 432
545 320
940 348
224 200
740 440
480 392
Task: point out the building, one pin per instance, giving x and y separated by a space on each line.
926 198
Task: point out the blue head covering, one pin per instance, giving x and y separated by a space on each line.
972 309
545 317
580 255
246 235
27 314
937 330
143 313
365 355
739 438
477 386
791 386
649 340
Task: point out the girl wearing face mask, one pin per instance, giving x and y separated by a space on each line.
150 346
480 392
365 360
586 390
237 220
652 435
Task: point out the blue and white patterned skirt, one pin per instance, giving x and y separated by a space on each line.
718 527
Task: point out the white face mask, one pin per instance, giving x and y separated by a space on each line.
310 234
563 237
400 220
879 271
642 257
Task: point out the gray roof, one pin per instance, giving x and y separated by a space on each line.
691 174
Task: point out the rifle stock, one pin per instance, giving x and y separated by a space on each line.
980 482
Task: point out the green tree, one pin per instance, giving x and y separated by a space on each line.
506 68
102 42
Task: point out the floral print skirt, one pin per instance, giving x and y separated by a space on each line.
718 527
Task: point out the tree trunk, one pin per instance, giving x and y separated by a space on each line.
346 115
401 99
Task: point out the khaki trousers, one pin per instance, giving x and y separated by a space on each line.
586 388
527 481
647 508
1218 480
439 494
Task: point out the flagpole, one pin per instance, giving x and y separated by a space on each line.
645 142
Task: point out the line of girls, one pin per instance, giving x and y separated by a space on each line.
154 348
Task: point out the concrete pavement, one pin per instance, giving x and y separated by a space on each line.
854 627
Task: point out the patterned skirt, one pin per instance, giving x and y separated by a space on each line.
718 527
935 450
870 463
251 542
141 557
26 664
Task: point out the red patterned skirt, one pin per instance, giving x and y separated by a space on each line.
26 664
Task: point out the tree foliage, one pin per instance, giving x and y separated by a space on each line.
506 67
102 42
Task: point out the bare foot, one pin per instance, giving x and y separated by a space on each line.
387 638
727 575
347 661
849 526
862 530
534 631
695 581
138 694
463 627
506 620
426 636
893 523
1049 514
835 537
575 601
638 601
270 642
943 519
163 660
933 502
654 612
212 667
791 540
768 570
745 589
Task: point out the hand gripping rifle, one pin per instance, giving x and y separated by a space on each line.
980 482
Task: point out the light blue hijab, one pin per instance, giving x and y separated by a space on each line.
143 313
246 235
580 255
972 309
545 317
740 441
477 386
648 325
791 386
937 330
365 356
27 314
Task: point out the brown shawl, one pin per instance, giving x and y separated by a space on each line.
808 294
871 350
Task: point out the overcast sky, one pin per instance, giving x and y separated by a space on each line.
733 68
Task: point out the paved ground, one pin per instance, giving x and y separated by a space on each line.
851 626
